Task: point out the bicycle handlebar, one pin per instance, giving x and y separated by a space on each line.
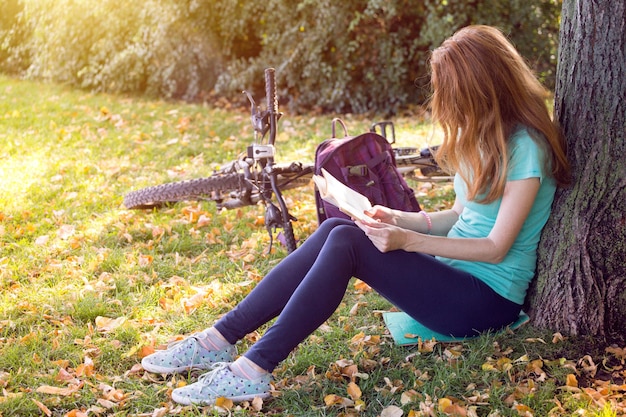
272 102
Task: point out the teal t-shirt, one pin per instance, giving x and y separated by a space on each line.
511 277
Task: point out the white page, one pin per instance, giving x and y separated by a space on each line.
345 198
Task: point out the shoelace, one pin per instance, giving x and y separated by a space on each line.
195 346
207 378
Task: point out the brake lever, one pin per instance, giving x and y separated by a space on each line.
260 120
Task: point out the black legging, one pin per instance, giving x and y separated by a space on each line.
306 287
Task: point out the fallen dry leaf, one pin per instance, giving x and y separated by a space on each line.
76 413
392 411
107 324
42 407
224 403
64 392
354 391
332 399
571 380
619 353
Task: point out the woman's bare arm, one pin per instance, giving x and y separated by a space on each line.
517 201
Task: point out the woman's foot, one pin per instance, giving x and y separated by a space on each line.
222 382
186 355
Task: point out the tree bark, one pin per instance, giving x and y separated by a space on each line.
581 271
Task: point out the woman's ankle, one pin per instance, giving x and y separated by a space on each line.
245 368
211 339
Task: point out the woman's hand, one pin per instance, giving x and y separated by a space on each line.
385 237
382 214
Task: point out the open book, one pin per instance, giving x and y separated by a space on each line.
351 202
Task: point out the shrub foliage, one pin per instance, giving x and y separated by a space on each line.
350 56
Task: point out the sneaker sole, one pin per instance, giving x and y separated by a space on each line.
187 401
156 369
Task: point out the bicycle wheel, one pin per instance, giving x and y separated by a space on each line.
216 187
410 160
228 188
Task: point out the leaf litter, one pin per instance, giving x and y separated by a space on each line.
82 381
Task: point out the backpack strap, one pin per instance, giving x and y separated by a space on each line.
343 125
363 170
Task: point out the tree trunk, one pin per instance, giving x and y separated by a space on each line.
581 271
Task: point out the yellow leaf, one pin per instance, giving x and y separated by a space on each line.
332 399
61 363
362 287
488 367
224 403
444 403
571 380
106 324
76 413
64 392
524 410
354 391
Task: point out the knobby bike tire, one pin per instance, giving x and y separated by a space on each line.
216 188
189 190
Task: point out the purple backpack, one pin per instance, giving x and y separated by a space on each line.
365 163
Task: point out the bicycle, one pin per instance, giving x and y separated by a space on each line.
256 177
253 178
410 160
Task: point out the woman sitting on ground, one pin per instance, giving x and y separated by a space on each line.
460 271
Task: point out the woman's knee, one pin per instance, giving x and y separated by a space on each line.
346 237
333 222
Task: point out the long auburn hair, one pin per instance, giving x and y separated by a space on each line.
482 89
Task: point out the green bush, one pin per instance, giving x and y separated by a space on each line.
352 56
372 55
148 46
13 38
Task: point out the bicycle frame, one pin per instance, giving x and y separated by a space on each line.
264 156
257 177
243 182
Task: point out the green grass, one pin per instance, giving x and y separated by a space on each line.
72 260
